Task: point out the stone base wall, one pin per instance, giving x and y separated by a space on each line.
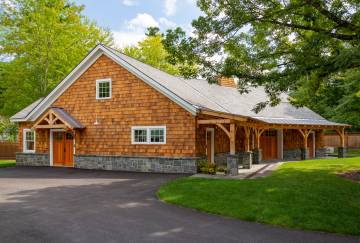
32 159
220 159
137 164
292 154
320 152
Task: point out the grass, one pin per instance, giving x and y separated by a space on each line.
7 163
350 152
304 195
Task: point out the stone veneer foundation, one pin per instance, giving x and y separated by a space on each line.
32 159
138 164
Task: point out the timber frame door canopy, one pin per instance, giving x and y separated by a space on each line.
57 118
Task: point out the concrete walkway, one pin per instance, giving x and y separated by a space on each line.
256 171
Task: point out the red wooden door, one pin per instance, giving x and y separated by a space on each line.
58 148
209 145
310 143
69 149
268 145
63 149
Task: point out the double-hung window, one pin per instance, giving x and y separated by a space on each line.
28 141
148 135
103 89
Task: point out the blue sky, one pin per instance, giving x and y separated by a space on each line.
128 19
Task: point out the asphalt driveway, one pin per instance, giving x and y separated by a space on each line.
69 205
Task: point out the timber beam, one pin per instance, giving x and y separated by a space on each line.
214 121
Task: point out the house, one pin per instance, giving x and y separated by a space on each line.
113 112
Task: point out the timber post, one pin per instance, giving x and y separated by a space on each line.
258 152
341 148
304 150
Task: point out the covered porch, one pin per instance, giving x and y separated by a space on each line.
58 133
238 142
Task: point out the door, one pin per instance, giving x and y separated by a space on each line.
268 145
310 148
210 144
63 149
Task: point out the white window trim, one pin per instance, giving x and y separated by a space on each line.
98 81
24 140
148 134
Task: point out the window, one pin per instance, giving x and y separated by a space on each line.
28 141
148 135
103 89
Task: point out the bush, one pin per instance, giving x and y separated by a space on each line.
206 167
221 169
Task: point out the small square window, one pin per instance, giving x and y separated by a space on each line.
157 135
140 135
103 89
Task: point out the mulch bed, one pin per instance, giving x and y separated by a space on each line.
351 175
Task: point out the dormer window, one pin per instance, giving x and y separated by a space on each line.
103 89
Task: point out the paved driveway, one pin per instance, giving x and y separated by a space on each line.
68 205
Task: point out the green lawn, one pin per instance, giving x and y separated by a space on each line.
7 163
350 152
305 195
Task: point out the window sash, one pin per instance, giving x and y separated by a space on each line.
103 89
28 141
150 135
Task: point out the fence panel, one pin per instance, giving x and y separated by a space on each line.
352 140
8 150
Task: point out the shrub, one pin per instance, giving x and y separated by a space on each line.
206 167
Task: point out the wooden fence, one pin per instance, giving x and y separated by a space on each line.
352 140
8 150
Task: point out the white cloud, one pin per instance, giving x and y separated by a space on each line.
141 22
166 23
129 2
133 30
127 38
170 7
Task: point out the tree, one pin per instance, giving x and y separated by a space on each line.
152 52
278 44
41 41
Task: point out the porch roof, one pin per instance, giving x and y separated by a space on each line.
57 117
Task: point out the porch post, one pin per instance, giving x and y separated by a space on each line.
342 148
304 150
248 155
232 138
258 151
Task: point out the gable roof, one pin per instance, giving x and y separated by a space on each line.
191 94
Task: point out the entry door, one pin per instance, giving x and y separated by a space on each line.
310 143
210 144
63 149
268 144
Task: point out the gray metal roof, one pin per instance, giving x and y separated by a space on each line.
228 100
202 95
67 118
24 112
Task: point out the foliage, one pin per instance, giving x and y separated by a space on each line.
152 52
306 195
41 41
282 45
336 99
7 163
205 167
8 130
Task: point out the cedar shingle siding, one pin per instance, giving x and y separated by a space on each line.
133 103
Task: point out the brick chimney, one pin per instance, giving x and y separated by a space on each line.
227 82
